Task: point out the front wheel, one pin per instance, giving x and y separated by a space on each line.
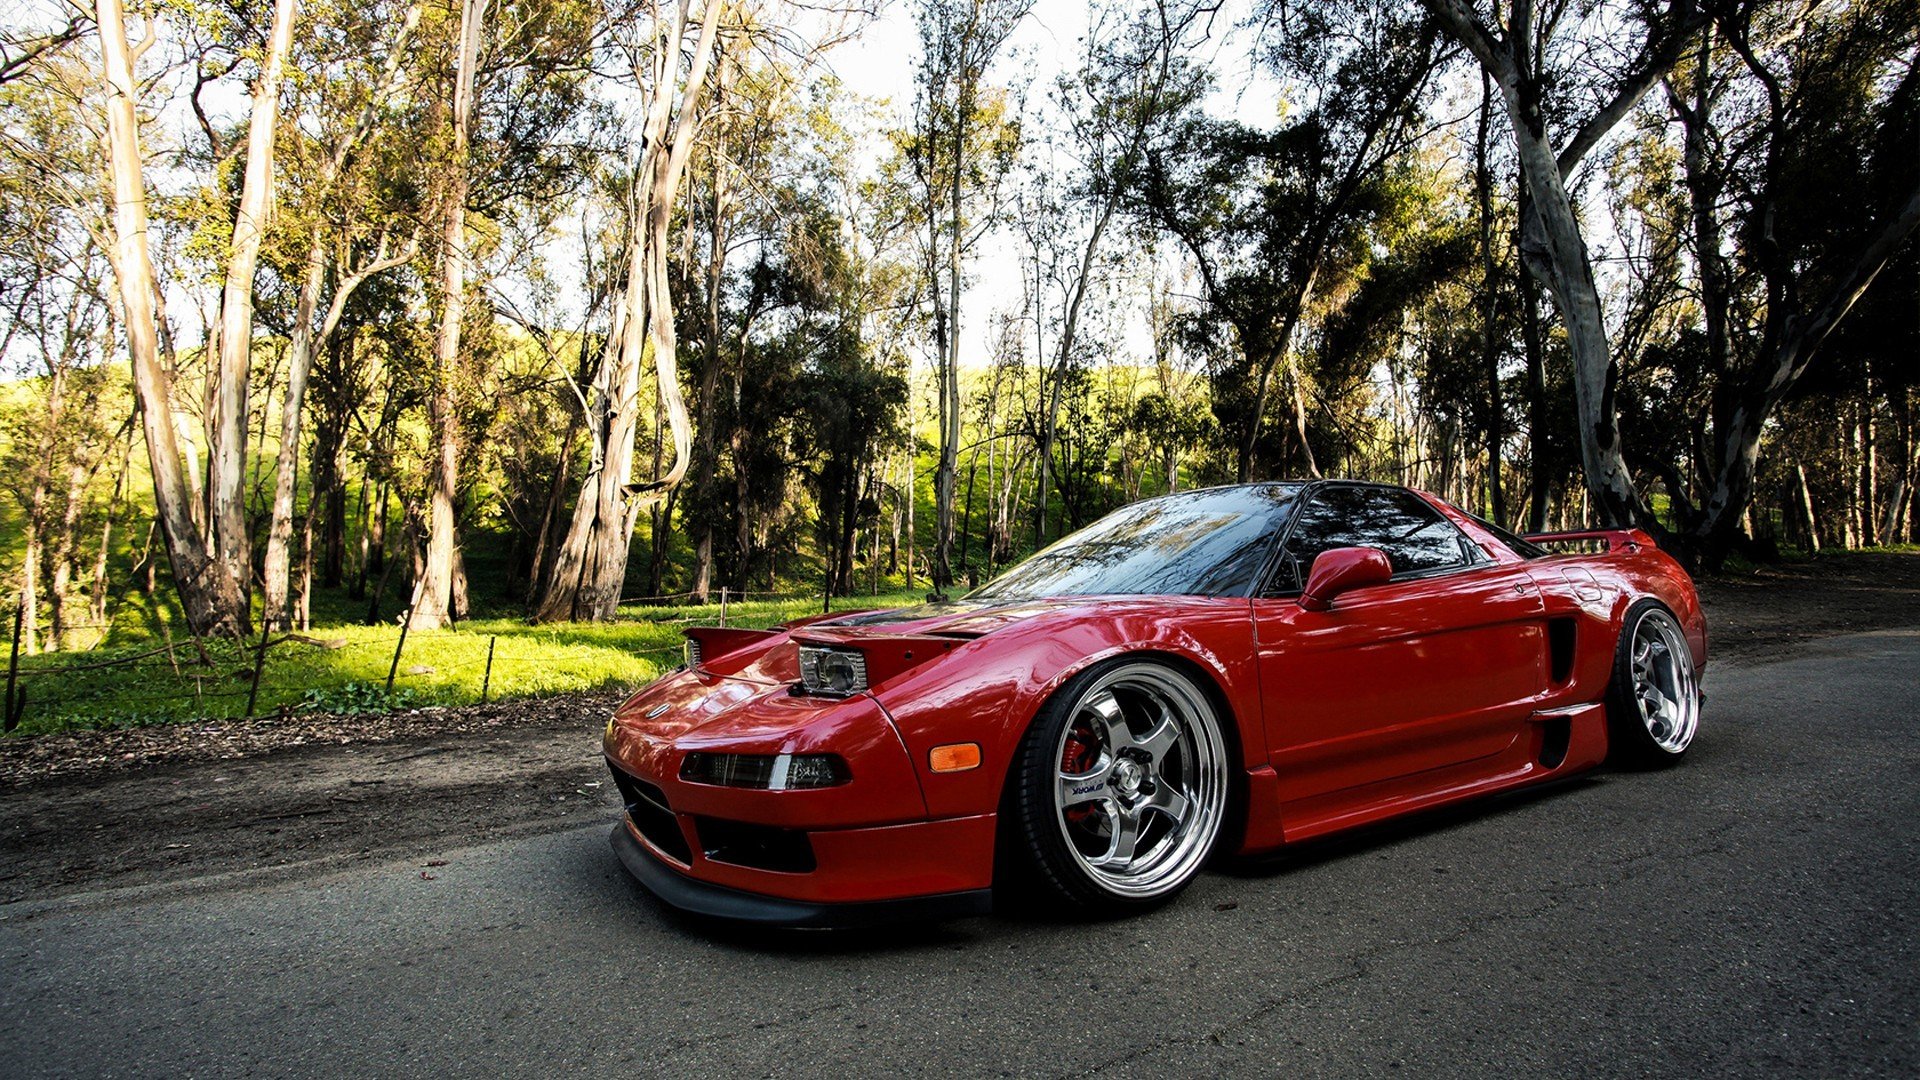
1120 788
1653 702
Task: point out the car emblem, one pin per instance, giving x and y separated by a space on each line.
655 712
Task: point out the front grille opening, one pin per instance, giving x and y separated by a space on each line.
761 847
647 808
1555 736
1560 650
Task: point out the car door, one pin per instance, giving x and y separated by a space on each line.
1436 667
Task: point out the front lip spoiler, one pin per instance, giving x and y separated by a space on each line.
718 901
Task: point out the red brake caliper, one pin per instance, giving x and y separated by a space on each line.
1079 754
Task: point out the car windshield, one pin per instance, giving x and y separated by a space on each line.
1195 543
1520 546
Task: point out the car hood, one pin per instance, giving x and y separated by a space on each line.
977 618
778 665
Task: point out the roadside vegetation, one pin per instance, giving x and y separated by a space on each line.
344 667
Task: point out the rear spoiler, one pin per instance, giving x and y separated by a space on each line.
1615 539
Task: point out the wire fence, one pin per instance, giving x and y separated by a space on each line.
281 673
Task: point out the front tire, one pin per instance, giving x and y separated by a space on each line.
1653 701
1120 788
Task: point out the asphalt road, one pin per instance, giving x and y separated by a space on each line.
1751 912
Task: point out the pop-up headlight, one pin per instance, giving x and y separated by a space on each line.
828 670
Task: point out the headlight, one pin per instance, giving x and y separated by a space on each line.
769 772
825 670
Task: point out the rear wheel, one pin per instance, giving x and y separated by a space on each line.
1653 702
1120 788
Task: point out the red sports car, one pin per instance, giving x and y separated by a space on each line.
1227 670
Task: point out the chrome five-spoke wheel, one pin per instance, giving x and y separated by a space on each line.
1655 703
1134 787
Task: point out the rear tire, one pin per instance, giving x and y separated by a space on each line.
1119 790
1653 700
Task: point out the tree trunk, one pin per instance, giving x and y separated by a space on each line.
913 497
590 569
1489 305
944 471
66 548
1869 474
707 464
433 607
1540 483
39 490
227 443
1569 273
98 598
280 528
210 596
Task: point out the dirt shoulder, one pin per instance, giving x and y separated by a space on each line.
1767 614
97 810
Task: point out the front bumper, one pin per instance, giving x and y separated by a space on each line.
673 886
799 856
728 845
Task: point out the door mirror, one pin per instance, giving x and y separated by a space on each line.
1340 569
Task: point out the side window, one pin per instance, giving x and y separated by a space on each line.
1415 537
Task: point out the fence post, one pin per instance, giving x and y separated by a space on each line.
405 621
723 606
259 662
15 706
486 682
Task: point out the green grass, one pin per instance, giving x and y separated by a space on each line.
115 686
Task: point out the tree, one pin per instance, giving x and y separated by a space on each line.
211 598
1272 218
1132 80
1517 47
434 596
959 149
304 337
227 426
591 565
1821 84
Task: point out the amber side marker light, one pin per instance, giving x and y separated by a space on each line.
954 757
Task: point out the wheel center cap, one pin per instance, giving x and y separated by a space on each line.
1127 776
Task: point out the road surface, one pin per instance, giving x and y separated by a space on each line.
1753 911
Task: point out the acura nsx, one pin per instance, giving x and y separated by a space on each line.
1229 670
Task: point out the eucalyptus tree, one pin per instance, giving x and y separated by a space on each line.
56 325
1565 86
232 541
960 146
670 68
211 598
435 594
517 87
1274 218
771 130
1779 107
350 79
1135 75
